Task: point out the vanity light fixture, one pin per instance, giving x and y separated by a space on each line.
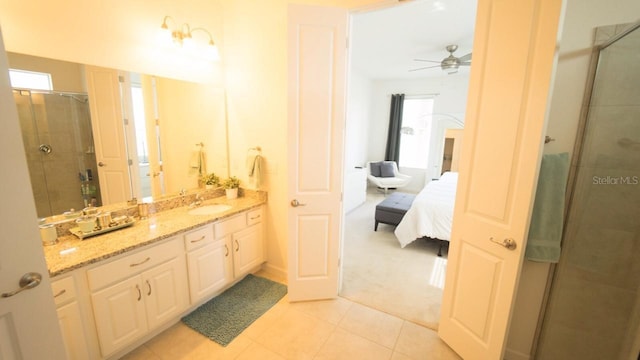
182 37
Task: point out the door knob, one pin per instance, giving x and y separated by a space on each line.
27 281
296 203
101 164
508 243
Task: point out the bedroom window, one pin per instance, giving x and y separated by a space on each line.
415 133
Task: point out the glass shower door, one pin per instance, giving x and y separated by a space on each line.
593 310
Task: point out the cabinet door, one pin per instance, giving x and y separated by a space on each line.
208 270
119 314
248 249
72 330
164 291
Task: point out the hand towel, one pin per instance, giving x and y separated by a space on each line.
197 163
547 219
254 166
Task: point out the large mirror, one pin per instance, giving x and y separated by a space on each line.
167 134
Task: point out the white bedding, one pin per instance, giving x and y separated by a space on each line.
431 213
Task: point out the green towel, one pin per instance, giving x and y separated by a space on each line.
545 230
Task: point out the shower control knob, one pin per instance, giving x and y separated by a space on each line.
45 148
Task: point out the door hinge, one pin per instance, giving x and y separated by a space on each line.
130 162
157 122
339 262
126 121
346 45
120 78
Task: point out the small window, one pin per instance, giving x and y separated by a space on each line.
24 79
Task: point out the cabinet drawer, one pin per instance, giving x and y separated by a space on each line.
229 226
63 290
117 270
198 237
254 216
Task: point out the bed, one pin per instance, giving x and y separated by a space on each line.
431 213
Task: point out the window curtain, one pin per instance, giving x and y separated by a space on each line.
392 152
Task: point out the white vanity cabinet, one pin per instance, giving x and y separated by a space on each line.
137 293
70 318
243 235
208 263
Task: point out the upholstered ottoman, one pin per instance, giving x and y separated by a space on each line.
392 209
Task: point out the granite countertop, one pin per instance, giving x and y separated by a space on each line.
72 253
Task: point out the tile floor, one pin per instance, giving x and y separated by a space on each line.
329 329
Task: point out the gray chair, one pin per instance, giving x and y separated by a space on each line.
385 175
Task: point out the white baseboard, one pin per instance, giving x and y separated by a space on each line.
276 272
510 354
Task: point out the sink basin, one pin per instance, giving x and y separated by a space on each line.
209 209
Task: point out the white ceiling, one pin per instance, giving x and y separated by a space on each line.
385 42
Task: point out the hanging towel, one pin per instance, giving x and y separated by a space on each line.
545 230
197 163
254 166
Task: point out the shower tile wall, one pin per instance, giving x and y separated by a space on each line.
594 306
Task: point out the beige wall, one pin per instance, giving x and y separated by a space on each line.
65 76
190 113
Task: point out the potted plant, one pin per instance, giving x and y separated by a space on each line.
231 186
210 180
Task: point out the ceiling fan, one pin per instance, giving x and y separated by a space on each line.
450 64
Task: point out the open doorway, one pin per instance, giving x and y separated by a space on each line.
406 282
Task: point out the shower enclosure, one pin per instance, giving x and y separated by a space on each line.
56 130
593 311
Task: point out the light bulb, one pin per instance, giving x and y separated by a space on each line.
211 52
164 35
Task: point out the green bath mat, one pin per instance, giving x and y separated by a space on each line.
224 317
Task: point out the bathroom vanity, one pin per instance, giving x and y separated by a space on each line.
115 291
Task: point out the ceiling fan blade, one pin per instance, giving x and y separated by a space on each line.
437 62
465 63
465 57
427 67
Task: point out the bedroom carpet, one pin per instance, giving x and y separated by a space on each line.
378 273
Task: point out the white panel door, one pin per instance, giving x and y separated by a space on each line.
108 134
152 127
316 82
28 322
513 60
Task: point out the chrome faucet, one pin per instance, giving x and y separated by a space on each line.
183 192
198 201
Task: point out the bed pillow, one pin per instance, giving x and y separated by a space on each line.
449 176
386 169
375 168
